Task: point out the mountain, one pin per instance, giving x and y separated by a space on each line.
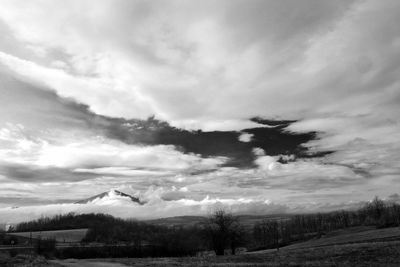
110 196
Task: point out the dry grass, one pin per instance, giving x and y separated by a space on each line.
336 249
349 247
361 254
352 235
24 260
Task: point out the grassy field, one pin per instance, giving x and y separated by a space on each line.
24 260
352 235
68 236
358 246
386 254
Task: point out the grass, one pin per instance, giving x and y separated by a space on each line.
358 246
385 254
352 235
24 260
68 236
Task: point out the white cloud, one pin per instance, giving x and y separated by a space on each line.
95 90
245 137
112 153
258 151
206 59
267 163
123 207
97 155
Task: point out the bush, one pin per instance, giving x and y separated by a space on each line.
45 247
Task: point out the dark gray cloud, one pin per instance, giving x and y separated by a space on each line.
38 108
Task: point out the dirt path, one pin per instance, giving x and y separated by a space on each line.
86 263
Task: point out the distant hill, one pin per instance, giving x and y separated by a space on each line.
177 221
64 236
109 196
68 221
246 220
79 221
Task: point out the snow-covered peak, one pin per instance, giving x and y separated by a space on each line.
112 197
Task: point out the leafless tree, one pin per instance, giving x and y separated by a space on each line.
223 230
267 232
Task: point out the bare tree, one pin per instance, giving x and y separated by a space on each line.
267 232
223 230
237 234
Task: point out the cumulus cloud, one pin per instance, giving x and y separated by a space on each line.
27 157
113 154
157 207
245 137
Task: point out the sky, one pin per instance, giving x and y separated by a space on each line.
260 106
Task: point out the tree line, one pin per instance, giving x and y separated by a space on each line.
273 233
221 231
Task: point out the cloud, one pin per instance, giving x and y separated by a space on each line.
47 117
96 155
113 154
395 198
35 174
160 208
336 54
249 98
157 207
220 46
267 163
245 137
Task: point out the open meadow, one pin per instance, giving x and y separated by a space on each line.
361 254
357 246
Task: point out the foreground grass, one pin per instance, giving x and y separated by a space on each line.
360 254
361 246
352 235
24 260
